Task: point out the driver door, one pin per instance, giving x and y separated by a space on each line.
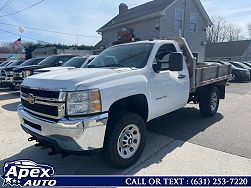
169 90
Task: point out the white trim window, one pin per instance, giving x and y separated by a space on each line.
194 18
178 19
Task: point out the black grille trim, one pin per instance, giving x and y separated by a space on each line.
33 125
41 93
40 108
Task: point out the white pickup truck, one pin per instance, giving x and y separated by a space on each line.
108 104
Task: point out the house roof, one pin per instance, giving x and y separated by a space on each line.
227 49
149 8
98 45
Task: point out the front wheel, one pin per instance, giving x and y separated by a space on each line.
125 139
209 101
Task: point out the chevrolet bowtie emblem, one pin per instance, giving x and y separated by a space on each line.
31 99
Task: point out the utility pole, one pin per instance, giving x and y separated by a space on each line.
77 45
184 23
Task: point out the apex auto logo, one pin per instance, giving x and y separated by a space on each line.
27 173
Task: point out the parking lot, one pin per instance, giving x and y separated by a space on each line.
180 143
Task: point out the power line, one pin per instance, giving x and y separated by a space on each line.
50 31
17 35
22 9
5 4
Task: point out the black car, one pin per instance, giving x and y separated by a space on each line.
241 66
51 61
75 62
7 71
16 71
238 74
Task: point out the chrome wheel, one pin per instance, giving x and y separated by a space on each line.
128 141
214 101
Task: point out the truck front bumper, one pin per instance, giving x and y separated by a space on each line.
72 135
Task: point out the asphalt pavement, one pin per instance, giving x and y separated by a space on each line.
180 143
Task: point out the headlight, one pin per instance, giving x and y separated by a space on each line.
84 102
26 73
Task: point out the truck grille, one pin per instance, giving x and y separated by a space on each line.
40 93
40 108
48 104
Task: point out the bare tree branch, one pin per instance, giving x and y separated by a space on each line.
222 31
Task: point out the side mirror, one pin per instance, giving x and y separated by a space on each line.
176 61
60 63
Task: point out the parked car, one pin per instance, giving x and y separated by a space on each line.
7 63
131 84
8 71
11 73
17 75
75 62
52 61
241 66
238 74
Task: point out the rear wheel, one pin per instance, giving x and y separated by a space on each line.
209 101
125 139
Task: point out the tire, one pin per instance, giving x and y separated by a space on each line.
209 101
122 149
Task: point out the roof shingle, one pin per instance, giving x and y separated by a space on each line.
139 11
227 49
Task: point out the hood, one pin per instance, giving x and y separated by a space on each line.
54 69
30 67
70 80
8 68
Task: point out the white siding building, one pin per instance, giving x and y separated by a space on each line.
159 19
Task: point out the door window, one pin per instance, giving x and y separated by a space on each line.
164 53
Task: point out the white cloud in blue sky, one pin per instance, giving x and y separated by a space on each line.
85 17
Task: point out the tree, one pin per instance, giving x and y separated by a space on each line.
222 31
249 29
29 47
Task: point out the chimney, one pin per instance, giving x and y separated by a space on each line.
122 8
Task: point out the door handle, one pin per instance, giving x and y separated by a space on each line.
181 76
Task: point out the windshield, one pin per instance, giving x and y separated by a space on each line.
15 63
76 62
48 61
132 56
27 62
240 65
88 62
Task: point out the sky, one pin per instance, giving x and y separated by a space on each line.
84 17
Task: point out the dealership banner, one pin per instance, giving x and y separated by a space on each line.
28 173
